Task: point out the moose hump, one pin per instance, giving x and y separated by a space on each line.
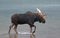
29 13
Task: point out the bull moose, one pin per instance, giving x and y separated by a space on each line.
27 18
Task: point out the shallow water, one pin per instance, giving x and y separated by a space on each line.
17 36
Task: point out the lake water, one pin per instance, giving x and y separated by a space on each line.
51 29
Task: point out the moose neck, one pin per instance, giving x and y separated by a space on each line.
36 19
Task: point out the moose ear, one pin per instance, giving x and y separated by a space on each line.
39 11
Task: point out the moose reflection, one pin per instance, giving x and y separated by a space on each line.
22 36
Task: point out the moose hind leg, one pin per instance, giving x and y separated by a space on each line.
15 29
10 27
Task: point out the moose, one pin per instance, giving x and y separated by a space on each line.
27 18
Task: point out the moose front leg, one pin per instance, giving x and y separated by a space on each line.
34 28
31 28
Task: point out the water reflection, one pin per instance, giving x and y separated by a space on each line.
32 36
13 35
16 36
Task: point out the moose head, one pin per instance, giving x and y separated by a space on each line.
41 17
